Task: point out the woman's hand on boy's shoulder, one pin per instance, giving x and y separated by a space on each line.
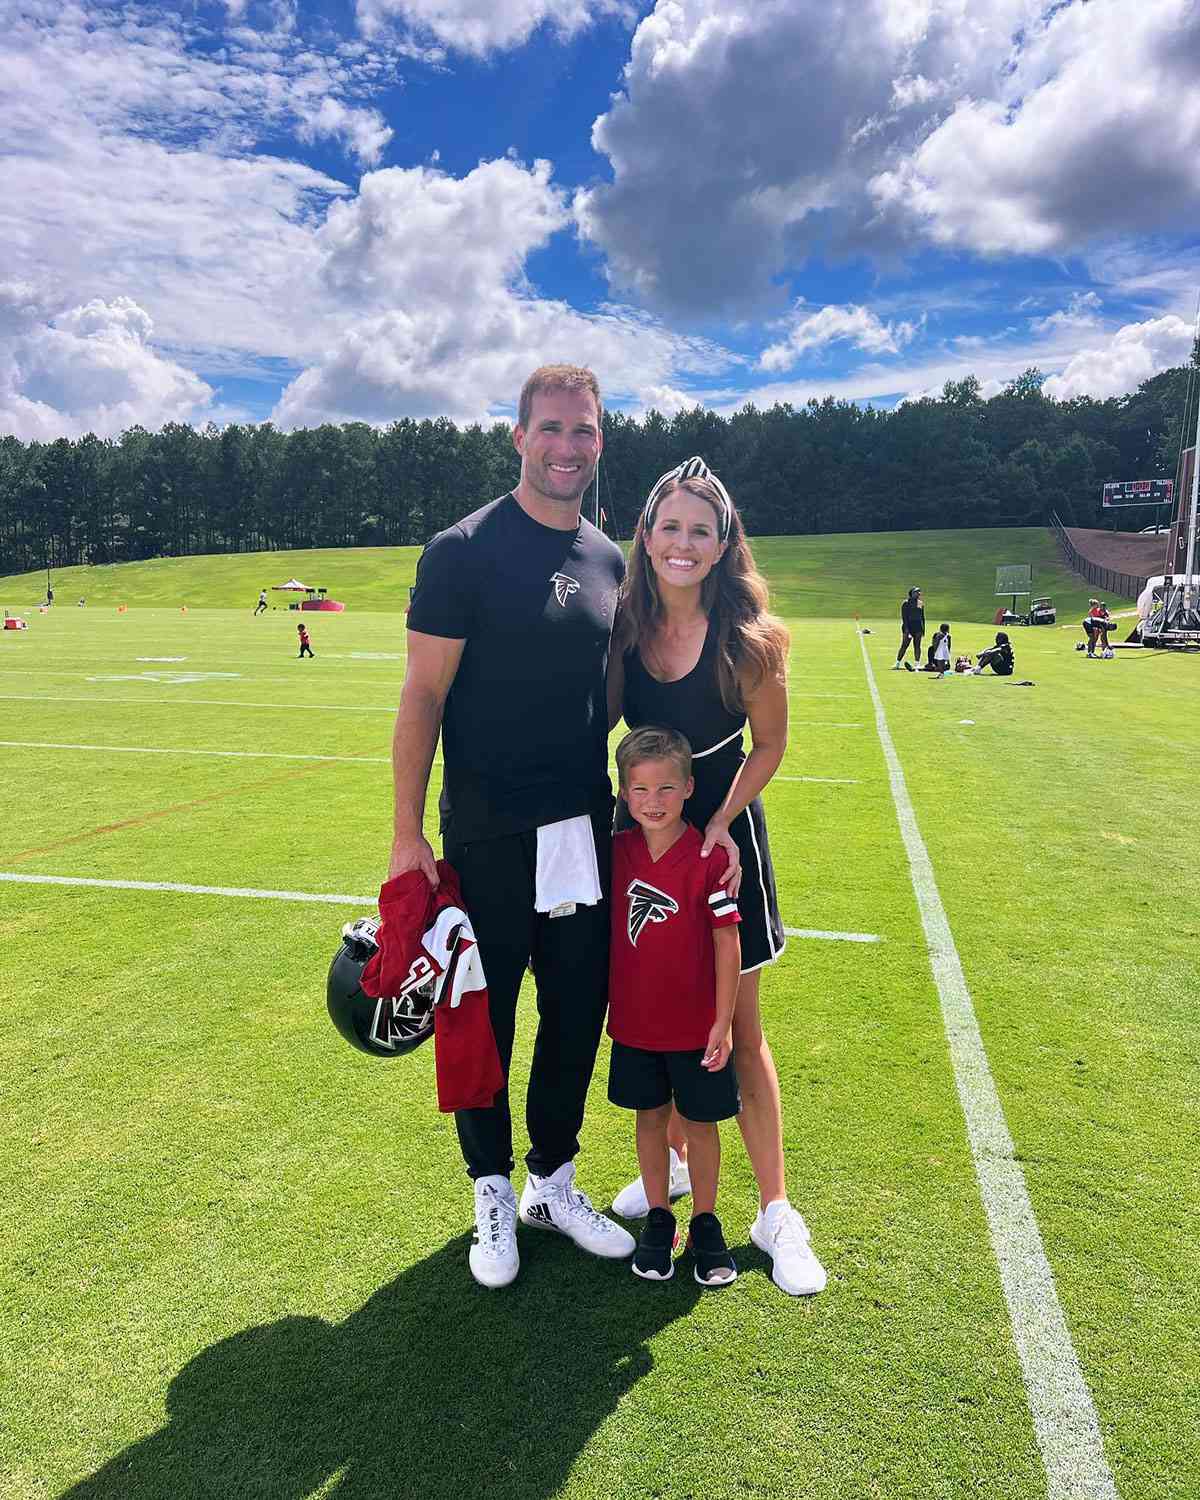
718 836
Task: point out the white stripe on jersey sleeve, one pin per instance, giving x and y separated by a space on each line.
717 897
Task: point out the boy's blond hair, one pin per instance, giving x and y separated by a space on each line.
652 742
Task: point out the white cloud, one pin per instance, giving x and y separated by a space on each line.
426 332
365 131
851 324
1093 132
1082 311
1133 354
90 369
752 130
480 27
770 131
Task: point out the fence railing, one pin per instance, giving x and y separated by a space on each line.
1107 580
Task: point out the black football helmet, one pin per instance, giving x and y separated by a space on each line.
390 1025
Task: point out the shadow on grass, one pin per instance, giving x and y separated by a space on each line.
433 1388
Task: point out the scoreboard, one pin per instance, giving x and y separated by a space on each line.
1138 492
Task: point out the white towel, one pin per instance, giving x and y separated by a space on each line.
567 871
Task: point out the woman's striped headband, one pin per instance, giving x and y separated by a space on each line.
692 468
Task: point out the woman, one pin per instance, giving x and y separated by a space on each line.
912 628
1096 627
694 650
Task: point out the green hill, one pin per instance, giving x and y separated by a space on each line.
810 576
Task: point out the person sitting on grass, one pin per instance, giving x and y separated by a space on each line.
939 651
673 980
999 657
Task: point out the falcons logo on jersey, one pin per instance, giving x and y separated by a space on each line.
647 904
564 587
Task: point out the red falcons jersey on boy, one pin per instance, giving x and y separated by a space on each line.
662 985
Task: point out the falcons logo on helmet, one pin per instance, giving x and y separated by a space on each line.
647 904
564 587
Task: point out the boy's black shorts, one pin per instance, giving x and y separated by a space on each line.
638 1079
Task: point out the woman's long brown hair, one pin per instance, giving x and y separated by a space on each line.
751 644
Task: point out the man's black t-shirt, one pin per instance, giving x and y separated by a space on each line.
525 728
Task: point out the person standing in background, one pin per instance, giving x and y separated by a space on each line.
912 628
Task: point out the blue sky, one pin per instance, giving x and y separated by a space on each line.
365 209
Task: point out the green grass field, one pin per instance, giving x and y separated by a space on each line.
234 1252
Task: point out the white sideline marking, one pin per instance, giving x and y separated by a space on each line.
822 724
1064 1416
189 890
103 700
839 937
825 780
372 760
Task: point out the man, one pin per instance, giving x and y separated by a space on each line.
262 602
508 638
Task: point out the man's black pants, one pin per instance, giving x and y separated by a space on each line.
569 957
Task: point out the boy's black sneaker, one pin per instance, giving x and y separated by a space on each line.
714 1265
652 1259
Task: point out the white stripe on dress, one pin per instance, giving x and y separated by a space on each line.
766 904
712 749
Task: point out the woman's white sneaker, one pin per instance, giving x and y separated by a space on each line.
555 1202
631 1201
780 1232
493 1259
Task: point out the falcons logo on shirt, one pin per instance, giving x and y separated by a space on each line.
647 904
564 587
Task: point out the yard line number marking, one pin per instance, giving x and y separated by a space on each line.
1064 1415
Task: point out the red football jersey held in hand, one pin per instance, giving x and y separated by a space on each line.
426 933
662 985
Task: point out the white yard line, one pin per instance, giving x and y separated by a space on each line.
19 878
1064 1416
836 937
104 699
822 724
369 760
824 780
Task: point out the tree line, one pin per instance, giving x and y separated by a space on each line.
952 461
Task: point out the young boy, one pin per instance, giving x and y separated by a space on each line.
305 644
939 651
672 986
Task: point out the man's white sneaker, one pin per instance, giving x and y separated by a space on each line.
631 1201
493 1259
895 666
780 1232
555 1202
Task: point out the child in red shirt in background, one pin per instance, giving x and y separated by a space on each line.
305 644
673 982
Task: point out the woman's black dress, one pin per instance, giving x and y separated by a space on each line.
692 705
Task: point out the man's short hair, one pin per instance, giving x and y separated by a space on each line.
651 742
557 378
